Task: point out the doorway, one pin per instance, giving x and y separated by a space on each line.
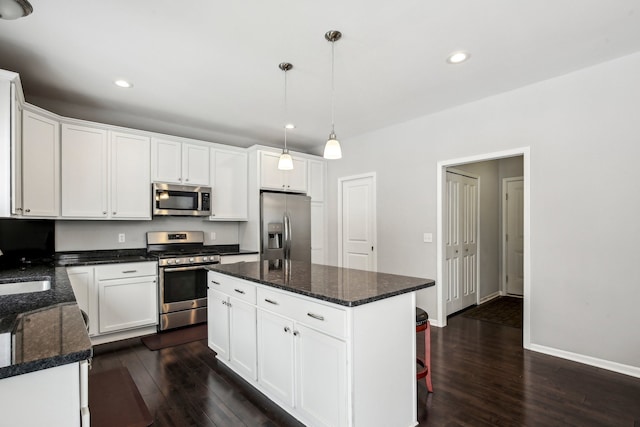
357 222
495 287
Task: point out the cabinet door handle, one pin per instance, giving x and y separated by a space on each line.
316 316
115 213
286 329
27 210
240 291
129 271
215 283
187 179
271 301
296 333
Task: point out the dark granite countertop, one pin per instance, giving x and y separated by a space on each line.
46 327
338 285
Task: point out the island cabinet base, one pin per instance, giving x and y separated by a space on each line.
325 364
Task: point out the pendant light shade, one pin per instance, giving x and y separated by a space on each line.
285 163
14 9
332 148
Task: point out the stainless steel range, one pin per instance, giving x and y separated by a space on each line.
182 260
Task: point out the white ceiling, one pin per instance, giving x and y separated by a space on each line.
209 69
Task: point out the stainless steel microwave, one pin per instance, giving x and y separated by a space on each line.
181 200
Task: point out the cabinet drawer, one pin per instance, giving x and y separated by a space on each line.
236 288
121 271
318 316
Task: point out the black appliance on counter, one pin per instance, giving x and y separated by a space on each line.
24 242
182 276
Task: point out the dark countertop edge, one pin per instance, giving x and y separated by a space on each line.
120 256
46 363
428 283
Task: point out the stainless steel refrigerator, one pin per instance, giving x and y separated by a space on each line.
285 226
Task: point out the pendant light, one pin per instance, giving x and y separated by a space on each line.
332 148
14 9
286 162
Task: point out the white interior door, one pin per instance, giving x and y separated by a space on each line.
358 223
514 235
461 242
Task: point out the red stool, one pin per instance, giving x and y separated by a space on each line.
423 325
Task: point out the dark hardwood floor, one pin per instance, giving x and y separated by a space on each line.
481 377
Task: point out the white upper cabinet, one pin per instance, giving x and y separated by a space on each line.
195 164
272 178
179 163
105 175
40 166
84 172
130 176
316 180
229 183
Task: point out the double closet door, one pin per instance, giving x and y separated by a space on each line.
461 239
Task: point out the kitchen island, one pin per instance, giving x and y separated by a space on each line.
332 346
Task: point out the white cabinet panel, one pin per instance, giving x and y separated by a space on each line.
229 183
195 164
84 172
316 180
218 323
49 397
130 176
321 377
127 303
276 356
166 161
317 233
242 337
40 166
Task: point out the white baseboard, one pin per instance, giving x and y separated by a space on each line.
490 297
633 371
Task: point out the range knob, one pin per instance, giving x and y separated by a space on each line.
205 259
192 260
178 260
171 261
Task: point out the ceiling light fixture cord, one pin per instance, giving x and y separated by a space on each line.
333 88
285 162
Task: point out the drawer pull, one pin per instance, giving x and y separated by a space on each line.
240 291
271 301
316 316
129 271
286 329
215 283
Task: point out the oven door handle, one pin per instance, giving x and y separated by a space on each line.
193 267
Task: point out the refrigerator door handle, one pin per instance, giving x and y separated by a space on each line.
288 237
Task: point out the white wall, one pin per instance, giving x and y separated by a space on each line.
583 130
98 235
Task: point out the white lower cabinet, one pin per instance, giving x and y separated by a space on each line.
55 396
232 323
118 298
276 356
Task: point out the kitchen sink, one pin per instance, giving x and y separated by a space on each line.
25 287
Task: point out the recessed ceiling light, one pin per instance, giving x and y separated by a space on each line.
123 83
290 126
458 57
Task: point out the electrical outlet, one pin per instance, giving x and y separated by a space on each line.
427 237
121 238
212 235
